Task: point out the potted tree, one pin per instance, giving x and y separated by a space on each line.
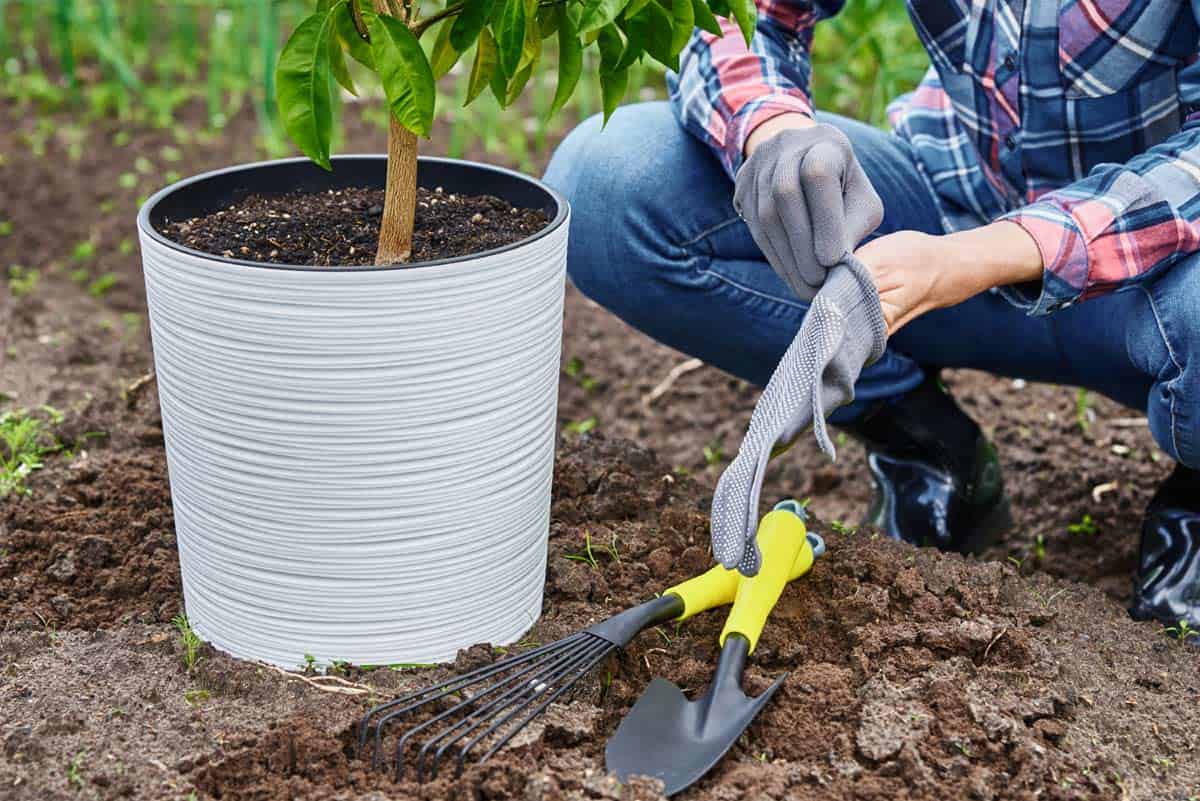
357 356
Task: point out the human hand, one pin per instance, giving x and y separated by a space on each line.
805 199
915 273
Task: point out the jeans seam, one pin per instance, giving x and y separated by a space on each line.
791 304
1169 385
712 229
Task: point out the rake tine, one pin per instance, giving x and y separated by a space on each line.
546 659
522 684
459 681
587 656
609 648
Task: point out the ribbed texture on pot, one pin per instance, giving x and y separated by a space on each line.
360 462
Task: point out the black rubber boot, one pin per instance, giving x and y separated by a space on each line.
1167 587
937 479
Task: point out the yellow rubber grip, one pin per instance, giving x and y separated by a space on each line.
783 540
718 586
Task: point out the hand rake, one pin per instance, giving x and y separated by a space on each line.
481 711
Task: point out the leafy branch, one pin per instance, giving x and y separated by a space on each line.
506 36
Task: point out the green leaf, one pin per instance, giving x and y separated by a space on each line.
598 13
683 17
510 35
506 89
444 55
613 81
531 50
635 45
747 17
612 90
649 31
499 86
404 71
611 46
549 20
303 88
360 48
483 66
570 63
705 20
471 20
517 84
720 8
337 57
634 7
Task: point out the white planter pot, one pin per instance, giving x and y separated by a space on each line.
360 458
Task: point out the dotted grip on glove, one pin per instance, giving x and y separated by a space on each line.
843 331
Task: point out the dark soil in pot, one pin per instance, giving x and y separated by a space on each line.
340 227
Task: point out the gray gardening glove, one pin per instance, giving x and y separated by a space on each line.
843 331
806 201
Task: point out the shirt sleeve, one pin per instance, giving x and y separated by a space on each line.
724 89
1122 224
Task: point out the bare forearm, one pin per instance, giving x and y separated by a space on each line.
992 255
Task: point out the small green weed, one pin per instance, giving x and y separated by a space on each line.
1039 548
401 666
1083 410
1183 631
196 697
22 281
191 642
580 427
574 369
6 227
611 548
1086 526
25 441
714 454
84 251
75 771
842 528
101 286
586 556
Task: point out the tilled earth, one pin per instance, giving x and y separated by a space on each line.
911 674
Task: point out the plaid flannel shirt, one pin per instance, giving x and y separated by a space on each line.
1079 120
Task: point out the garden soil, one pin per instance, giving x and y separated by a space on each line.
911 674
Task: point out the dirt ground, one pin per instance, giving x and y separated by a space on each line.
911 674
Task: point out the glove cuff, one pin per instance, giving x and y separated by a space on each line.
851 289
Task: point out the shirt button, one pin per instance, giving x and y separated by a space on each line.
1010 142
1010 63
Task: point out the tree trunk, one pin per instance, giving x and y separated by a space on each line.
400 197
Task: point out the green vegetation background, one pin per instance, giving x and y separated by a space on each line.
152 63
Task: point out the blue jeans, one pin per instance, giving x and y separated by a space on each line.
655 239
